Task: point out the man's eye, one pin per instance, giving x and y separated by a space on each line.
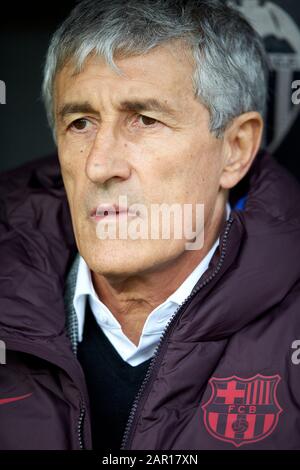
79 124
146 120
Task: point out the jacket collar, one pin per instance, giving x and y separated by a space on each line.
261 259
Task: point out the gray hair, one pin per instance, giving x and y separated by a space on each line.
230 76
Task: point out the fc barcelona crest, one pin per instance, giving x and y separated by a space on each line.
242 411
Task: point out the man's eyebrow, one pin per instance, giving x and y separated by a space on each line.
150 104
76 108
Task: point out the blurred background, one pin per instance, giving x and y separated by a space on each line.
26 29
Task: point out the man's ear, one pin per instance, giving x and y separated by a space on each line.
241 142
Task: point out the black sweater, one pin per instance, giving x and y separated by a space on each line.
112 384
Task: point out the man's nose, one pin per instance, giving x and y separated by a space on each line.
107 157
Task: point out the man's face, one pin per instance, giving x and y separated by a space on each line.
142 135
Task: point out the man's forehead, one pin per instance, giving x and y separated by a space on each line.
135 90
134 104
162 66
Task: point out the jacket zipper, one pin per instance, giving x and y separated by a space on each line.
80 426
73 339
158 353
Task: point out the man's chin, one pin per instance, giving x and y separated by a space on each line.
126 258
116 261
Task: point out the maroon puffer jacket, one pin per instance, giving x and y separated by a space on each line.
226 374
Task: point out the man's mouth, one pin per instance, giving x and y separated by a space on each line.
110 212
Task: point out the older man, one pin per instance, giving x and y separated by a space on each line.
164 342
